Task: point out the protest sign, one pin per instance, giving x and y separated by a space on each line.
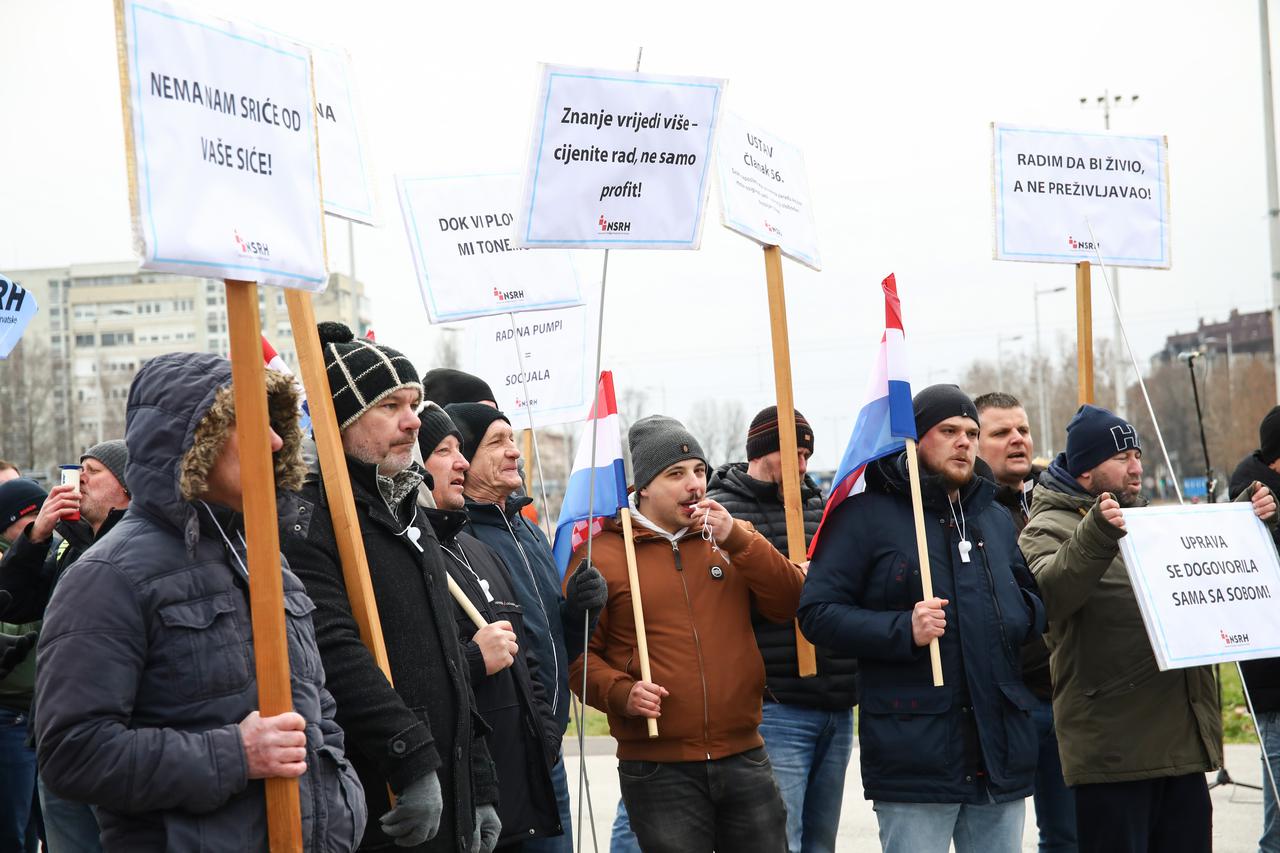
1207 581
17 307
764 192
1052 186
553 362
348 184
460 235
221 146
618 159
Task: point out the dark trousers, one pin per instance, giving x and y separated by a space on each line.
729 804
1168 815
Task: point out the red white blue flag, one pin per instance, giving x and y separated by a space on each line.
886 419
276 363
583 510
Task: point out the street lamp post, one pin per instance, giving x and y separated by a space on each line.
1045 433
1107 102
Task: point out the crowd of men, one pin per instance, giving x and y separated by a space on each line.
128 694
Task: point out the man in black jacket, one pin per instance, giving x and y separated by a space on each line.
70 520
807 723
420 737
1262 677
1007 447
940 763
556 620
524 738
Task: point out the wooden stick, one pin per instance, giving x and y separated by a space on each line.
266 584
1084 333
922 552
792 507
465 603
637 609
526 450
337 480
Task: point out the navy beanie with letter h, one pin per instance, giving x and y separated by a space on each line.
1094 436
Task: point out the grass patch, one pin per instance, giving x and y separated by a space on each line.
597 723
1237 725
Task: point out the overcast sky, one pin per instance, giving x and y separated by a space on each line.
890 102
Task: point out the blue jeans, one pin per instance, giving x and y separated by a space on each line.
1268 723
557 843
622 839
1055 802
17 782
931 827
810 751
69 827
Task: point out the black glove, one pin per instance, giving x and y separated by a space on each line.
488 828
587 591
416 816
14 650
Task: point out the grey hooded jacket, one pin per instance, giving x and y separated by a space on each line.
145 666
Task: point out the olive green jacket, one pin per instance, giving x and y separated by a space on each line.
1118 717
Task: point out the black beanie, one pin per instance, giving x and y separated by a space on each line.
444 385
763 438
19 498
1094 436
473 421
936 403
361 372
1269 436
436 424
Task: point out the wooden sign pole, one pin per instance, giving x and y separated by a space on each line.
637 609
262 536
922 551
337 480
1084 334
793 509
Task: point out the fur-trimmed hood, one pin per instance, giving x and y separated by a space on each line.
178 417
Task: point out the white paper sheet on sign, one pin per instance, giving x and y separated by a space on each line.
224 176
17 308
557 349
618 159
460 235
1207 582
1051 186
344 158
764 191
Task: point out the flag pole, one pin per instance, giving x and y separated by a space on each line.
806 655
637 608
262 535
465 603
922 551
1084 334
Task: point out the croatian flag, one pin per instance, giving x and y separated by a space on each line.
276 363
610 478
886 419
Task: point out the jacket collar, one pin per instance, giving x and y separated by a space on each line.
447 524
491 513
890 475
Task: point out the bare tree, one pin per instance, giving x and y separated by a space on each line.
447 348
28 432
721 427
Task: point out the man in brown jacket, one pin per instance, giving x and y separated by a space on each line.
705 782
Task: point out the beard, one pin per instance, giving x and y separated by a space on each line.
1118 487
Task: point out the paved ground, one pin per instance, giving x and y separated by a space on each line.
1237 812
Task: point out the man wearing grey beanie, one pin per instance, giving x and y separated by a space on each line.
705 781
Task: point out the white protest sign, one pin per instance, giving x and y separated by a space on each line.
556 349
618 159
1051 186
17 307
221 141
348 184
764 193
1207 582
460 235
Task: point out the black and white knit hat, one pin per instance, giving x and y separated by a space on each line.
361 372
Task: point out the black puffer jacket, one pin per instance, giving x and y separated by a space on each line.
1035 654
760 504
146 663
29 570
428 720
1261 676
524 737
